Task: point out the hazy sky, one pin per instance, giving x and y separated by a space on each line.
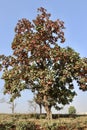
72 12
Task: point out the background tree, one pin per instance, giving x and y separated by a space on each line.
40 64
33 107
72 110
38 99
12 106
2 100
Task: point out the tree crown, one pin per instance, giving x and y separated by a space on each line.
40 64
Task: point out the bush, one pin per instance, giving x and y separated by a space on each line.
7 125
42 116
52 126
23 125
20 125
72 110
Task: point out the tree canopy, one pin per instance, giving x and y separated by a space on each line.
72 110
39 63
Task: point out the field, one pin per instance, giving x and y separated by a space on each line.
36 122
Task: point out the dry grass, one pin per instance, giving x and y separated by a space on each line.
71 123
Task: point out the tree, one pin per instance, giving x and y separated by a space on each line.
40 64
38 99
2 100
72 110
12 106
32 106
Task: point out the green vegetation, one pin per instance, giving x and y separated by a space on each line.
38 63
23 122
72 110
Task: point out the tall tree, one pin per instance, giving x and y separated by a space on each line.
12 106
40 64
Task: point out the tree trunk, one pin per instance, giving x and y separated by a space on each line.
47 108
49 113
40 105
13 106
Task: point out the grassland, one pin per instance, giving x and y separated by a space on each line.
34 122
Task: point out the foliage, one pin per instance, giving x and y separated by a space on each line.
22 125
43 116
6 125
50 126
72 110
33 107
59 124
40 64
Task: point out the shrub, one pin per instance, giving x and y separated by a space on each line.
50 126
72 110
23 125
42 116
7 125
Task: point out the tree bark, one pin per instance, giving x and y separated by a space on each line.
13 107
49 113
47 108
40 105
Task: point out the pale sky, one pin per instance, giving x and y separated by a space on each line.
74 15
